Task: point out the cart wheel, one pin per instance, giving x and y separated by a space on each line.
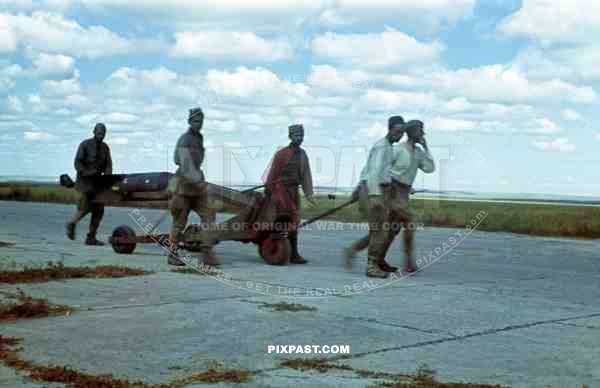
123 232
275 250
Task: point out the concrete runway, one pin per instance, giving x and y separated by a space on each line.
493 308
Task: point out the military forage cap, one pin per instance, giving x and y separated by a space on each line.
195 112
395 120
296 128
413 125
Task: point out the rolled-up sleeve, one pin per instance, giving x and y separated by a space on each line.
364 174
426 163
383 162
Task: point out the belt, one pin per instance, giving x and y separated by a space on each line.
402 185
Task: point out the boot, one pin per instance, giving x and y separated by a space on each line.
408 250
386 267
410 266
91 236
90 240
296 258
210 258
348 255
173 258
373 270
71 230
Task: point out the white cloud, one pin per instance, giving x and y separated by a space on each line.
576 63
159 77
286 15
388 48
34 99
14 104
16 4
450 124
458 104
500 83
570 115
234 13
88 119
235 147
491 83
222 126
119 140
8 37
260 83
37 136
315 109
383 100
332 18
230 45
550 21
63 112
544 126
110 118
560 145
27 5
129 83
51 32
428 14
252 119
49 65
376 130
8 74
119 117
331 79
65 87
485 123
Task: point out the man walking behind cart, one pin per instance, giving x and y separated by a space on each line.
187 189
407 159
91 161
289 169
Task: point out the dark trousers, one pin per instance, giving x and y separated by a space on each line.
85 206
295 218
388 215
181 206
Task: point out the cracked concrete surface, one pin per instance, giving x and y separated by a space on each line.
500 308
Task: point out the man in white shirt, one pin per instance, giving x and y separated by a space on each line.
407 159
376 177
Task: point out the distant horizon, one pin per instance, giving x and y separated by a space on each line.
470 192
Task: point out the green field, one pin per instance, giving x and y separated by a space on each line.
525 218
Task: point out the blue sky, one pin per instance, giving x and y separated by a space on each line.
508 90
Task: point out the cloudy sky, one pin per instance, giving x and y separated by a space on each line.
508 90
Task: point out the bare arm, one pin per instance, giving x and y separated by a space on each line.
426 163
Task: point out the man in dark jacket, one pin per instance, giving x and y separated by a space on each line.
188 189
288 170
91 161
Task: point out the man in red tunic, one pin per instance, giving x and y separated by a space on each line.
288 170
